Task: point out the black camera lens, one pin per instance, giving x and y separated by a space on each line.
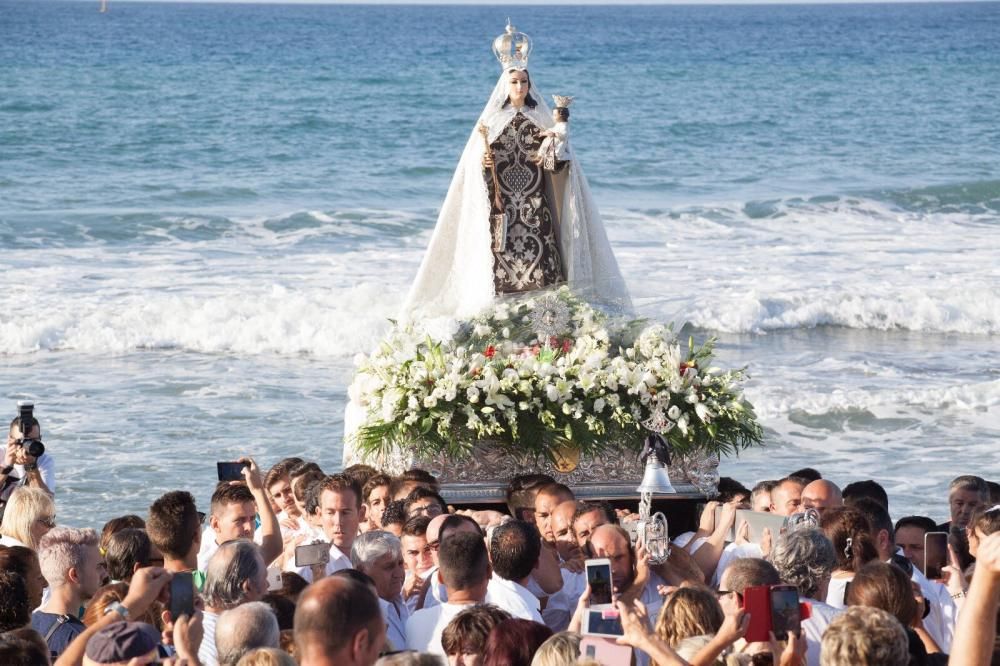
33 447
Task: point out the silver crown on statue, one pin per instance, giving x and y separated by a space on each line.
512 48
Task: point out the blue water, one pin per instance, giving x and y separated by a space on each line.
207 210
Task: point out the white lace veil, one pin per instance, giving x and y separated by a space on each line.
455 279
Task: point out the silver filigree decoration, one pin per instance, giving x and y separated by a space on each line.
549 318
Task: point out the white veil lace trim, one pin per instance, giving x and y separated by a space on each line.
455 279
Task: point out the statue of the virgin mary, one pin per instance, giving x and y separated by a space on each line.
507 225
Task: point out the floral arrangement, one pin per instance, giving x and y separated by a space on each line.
543 373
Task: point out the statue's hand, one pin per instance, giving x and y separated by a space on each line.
488 162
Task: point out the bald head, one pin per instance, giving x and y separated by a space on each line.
786 497
338 619
244 628
821 495
434 527
612 542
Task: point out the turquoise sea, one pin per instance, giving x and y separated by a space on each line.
207 210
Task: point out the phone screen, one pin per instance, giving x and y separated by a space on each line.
599 579
604 623
312 553
230 471
785 617
935 554
181 595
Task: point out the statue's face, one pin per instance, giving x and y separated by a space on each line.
519 86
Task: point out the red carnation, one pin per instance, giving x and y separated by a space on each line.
490 351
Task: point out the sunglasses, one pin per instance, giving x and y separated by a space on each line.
48 521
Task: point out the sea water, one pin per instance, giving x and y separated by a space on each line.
206 211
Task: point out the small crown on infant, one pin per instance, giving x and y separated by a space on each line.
561 101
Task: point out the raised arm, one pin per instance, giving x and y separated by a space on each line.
270 530
977 623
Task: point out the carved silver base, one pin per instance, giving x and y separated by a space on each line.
483 477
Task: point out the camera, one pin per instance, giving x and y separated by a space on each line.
26 422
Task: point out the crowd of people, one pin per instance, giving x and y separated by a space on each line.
298 566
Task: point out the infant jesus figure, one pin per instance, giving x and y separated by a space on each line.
554 151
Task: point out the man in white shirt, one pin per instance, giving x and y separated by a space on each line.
234 509
19 468
236 574
515 549
464 568
341 513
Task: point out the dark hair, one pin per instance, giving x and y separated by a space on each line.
885 586
994 491
421 476
416 526
463 561
467 632
23 647
851 535
562 112
339 483
420 493
174 524
807 473
514 549
730 489
877 515
292 584
373 482
855 491
360 473
116 525
227 493
556 490
529 101
514 642
17 559
394 513
986 520
126 549
922 522
281 469
32 424
283 607
303 468
331 612
305 483
454 521
521 491
14 611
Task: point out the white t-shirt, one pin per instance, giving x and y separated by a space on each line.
208 655
46 467
561 606
813 628
514 598
424 628
735 551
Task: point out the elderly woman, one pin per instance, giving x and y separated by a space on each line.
380 555
29 515
805 558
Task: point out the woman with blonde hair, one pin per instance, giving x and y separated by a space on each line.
562 649
266 657
29 515
689 611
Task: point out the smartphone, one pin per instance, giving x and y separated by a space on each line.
231 471
599 579
757 602
602 622
785 618
935 554
182 595
312 553
274 580
605 651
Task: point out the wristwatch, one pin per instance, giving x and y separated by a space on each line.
117 607
6 470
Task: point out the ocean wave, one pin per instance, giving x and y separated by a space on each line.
974 312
